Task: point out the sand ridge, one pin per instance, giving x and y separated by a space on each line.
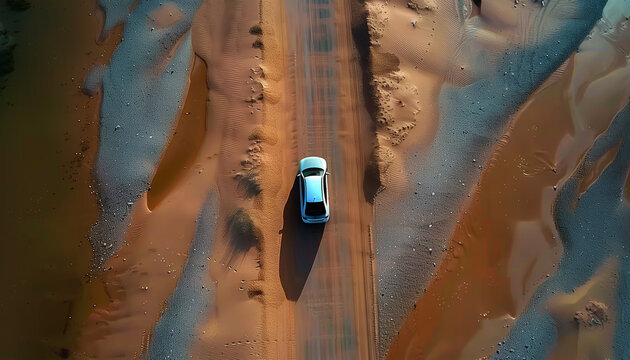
543 165
477 151
472 70
143 274
234 328
522 239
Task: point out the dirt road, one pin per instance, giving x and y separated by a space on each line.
327 269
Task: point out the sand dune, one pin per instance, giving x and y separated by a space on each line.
162 232
478 156
129 149
445 79
538 161
479 89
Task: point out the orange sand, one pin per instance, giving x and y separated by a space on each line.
143 274
48 139
492 265
472 285
275 130
221 37
504 243
187 138
281 143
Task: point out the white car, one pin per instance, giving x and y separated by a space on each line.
313 179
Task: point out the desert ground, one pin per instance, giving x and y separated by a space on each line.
479 159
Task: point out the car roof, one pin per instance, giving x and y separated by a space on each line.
313 189
312 162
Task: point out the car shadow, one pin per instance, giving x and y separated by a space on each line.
299 246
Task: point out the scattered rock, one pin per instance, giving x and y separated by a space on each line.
595 313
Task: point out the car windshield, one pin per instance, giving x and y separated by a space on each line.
313 172
315 208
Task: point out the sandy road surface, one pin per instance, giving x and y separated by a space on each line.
332 278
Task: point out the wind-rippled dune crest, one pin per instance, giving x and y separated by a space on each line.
592 215
490 60
194 294
150 312
142 96
594 227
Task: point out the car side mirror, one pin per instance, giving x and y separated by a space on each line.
327 173
298 175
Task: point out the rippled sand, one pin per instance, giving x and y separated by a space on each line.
479 185
505 244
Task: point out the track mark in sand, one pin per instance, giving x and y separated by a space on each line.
333 309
